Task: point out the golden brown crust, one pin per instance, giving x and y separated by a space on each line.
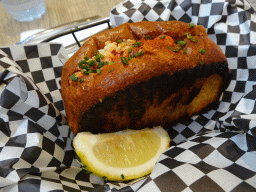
80 97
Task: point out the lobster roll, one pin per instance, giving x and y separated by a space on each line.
143 74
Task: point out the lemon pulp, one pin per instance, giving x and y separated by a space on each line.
121 151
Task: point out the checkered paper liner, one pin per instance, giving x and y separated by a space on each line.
214 151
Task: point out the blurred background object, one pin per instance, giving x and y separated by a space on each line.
25 10
57 13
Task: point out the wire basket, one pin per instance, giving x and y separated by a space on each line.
71 35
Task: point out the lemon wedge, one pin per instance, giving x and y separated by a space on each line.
122 155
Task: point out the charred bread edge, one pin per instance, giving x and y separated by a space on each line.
92 120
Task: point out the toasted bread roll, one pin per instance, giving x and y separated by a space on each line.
140 75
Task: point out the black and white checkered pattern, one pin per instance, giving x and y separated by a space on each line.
214 151
41 63
213 161
203 164
35 145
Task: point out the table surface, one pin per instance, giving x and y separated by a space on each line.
58 13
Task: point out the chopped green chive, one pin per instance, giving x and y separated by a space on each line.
92 62
86 58
82 62
191 25
111 70
119 41
132 46
97 58
86 72
129 50
136 54
88 172
74 77
101 64
141 53
147 37
122 176
105 178
82 66
162 37
96 53
98 71
76 28
190 37
201 62
182 43
130 57
110 62
137 44
175 49
81 80
124 60
185 52
202 51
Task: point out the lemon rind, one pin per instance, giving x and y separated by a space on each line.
114 173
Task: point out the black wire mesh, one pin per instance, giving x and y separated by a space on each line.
73 31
